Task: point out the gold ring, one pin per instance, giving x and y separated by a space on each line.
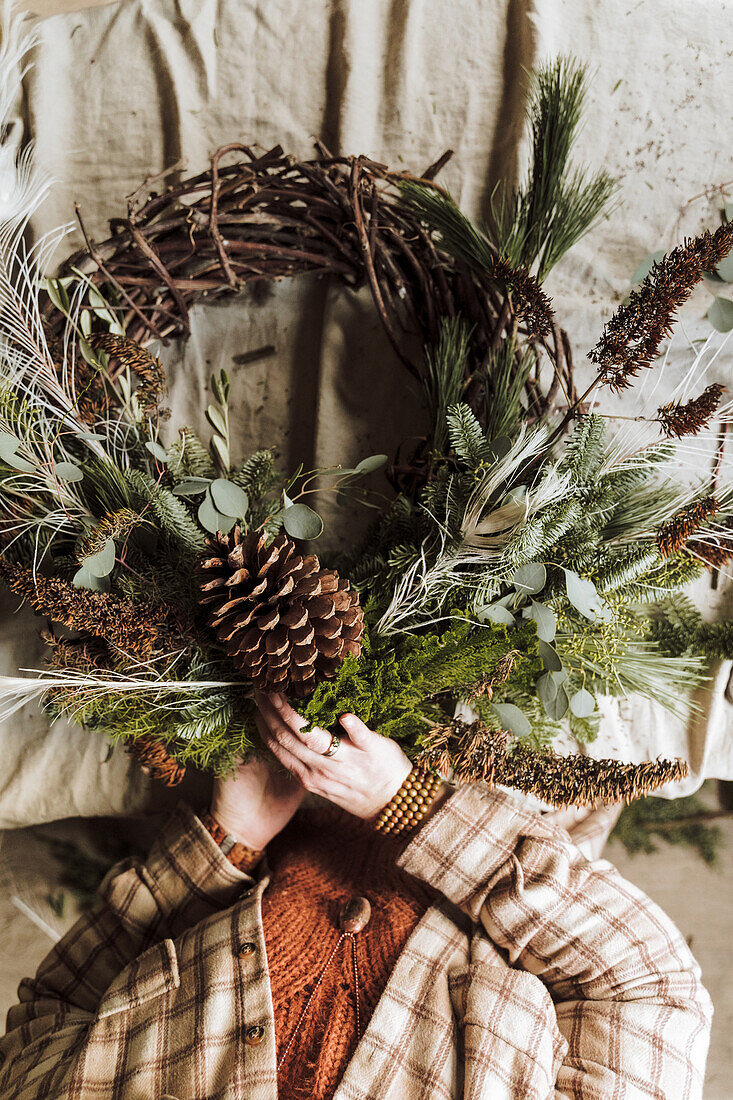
333 748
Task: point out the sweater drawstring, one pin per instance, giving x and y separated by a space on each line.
304 1013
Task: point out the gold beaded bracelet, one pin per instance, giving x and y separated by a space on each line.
410 804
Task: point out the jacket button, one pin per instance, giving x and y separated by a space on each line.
255 1035
246 950
355 915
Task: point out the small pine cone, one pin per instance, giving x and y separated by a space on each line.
284 621
155 760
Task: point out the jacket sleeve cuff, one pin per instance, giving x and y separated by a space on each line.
459 848
186 864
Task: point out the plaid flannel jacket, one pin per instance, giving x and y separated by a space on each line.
536 975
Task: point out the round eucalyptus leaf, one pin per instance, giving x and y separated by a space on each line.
546 688
17 463
512 719
646 265
369 465
725 269
495 613
8 444
211 519
545 618
301 522
549 656
84 579
584 597
68 471
156 450
530 578
191 486
720 315
557 708
102 563
229 498
582 703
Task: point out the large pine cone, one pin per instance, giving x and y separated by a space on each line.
285 622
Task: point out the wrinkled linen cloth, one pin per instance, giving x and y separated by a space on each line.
118 93
534 973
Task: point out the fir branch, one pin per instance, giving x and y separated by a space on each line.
173 517
467 436
677 628
472 753
677 821
585 451
627 564
257 474
188 457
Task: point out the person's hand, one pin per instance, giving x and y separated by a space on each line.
256 803
361 777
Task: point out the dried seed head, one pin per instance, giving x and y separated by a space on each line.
672 537
678 420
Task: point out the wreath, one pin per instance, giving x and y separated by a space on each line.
527 563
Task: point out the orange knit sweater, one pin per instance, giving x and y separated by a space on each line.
320 860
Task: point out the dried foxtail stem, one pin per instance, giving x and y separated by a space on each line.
149 370
672 536
679 419
632 336
138 629
474 753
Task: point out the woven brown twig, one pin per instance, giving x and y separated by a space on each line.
266 217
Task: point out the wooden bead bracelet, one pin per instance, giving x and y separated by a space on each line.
410 804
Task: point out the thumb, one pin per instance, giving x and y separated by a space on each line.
360 735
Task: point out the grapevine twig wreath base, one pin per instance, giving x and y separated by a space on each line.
268 216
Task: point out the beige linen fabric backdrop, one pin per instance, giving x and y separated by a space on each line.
120 92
